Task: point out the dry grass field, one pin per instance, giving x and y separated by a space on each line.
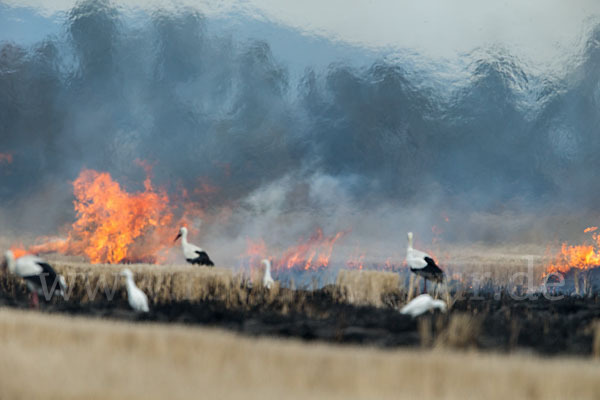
61 357
167 283
96 358
57 357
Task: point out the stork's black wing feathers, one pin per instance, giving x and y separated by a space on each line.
431 271
202 259
47 278
47 268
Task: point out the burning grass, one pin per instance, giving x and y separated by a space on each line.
577 258
98 359
113 225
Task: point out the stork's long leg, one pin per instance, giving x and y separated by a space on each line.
34 300
411 285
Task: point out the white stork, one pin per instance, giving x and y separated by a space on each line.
268 281
422 264
40 277
193 254
137 299
421 304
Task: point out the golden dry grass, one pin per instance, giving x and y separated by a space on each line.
57 357
466 268
166 283
462 331
367 287
162 283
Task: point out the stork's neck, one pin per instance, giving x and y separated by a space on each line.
268 269
129 282
410 243
184 241
11 265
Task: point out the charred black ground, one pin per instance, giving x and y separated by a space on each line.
550 327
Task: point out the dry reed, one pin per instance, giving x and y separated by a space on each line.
369 288
462 331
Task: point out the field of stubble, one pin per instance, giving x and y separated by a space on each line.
60 357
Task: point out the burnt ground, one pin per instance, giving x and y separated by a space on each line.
498 323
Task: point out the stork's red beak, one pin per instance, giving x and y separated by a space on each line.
178 236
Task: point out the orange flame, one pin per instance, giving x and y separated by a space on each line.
304 253
313 253
255 253
392 264
580 257
388 265
115 226
356 260
18 250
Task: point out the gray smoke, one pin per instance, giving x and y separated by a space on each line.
386 144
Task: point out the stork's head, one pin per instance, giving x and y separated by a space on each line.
410 238
9 259
440 305
182 232
127 273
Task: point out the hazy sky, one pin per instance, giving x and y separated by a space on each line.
541 31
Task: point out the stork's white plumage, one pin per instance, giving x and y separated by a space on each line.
268 281
192 253
40 277
422 263
136 298
421 304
